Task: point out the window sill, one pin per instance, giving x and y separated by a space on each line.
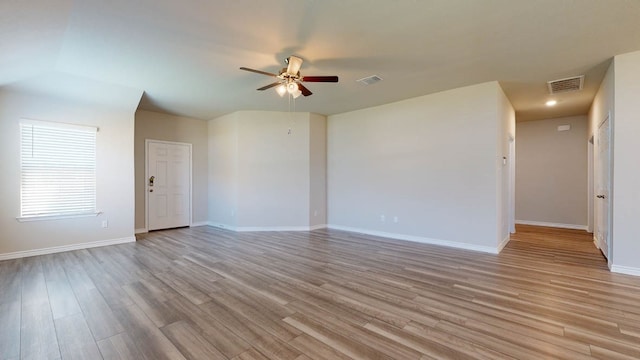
56 217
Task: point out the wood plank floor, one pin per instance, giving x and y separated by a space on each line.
206 293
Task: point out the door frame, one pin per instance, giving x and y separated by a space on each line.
512 184
590 187
146 178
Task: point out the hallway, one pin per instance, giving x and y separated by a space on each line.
556 246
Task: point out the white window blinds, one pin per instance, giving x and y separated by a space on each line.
58 169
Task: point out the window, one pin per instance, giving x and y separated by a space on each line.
57 169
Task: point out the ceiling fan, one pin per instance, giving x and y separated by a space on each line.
289 79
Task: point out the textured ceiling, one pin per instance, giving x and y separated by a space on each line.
185 54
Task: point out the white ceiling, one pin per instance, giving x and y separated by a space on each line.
185 54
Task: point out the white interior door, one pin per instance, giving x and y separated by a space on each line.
168 184
602 180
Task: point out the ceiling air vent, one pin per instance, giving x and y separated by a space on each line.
565 85
369 80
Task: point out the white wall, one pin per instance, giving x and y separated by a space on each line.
273 169
626 164
551 173
317 170
114 115
223 170
430 161
266 170
157 126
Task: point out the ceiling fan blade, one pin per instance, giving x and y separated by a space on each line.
304 90
294 65
269 86
320 78
258 71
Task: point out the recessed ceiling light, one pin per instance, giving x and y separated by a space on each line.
551 103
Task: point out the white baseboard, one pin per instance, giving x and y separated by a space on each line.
266 228
596 243
625 270
63 248
554 225
194 224
221 226
279 228
504 243
419 239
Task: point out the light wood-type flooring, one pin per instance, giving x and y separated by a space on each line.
207 293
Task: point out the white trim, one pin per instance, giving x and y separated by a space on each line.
317 227
512 185
56 217
554 225
599 246
279 228
63 248
266 228
141 231
610 189
419 239
58 125
221 226
146 187
625 270
199 223
590 194
504 243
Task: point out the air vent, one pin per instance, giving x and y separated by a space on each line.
566 85
370 80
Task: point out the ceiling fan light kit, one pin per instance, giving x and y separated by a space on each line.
289 79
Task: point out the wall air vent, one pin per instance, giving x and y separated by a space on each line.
369 80
566 85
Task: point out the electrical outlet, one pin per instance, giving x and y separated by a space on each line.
395 219
105 223
382 218
315 213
